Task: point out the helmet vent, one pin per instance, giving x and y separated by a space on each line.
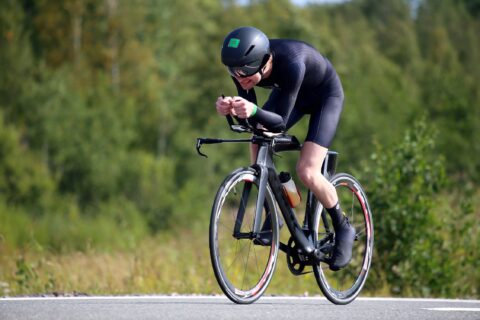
249 49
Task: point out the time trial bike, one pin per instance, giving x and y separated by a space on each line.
245 225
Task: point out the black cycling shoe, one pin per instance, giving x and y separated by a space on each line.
342 252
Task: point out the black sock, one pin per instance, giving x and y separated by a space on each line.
337 215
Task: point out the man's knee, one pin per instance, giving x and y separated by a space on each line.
309 164
312 177
307 175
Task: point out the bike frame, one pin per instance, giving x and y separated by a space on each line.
267 174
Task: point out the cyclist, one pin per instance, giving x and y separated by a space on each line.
302 81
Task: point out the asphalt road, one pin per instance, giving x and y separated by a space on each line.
220 308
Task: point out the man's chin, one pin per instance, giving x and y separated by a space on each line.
248 86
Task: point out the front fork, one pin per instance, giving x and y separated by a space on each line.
257 223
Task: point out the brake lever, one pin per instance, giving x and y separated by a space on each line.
201 141
199 145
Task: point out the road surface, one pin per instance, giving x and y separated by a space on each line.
220 308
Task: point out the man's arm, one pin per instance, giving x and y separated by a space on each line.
280 103
270 120
282 100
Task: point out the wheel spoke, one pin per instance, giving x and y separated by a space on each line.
245 269
256 259
223 225
235 255
358 234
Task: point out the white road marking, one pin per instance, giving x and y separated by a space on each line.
417 300
454 309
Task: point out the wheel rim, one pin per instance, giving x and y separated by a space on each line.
345 284
244 268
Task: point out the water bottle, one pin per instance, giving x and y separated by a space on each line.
291 191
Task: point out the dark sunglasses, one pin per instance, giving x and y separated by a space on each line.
242 72
246 70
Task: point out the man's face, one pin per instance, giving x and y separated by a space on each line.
248 83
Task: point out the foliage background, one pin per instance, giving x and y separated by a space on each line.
101 102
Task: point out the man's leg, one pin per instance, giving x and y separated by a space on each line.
309 171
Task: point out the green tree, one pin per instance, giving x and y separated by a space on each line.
24 180
449 80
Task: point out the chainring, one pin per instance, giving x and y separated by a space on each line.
294 263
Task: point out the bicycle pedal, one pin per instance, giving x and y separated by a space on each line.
306 272
264 238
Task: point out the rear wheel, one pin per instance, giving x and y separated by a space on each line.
343 286
243 261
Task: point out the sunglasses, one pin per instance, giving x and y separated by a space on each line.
243 72
248 70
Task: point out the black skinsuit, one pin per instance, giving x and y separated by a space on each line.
302 82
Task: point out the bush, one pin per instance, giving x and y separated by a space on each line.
24 179
149 183
115 225
402 188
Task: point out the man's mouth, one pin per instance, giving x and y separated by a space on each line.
246 83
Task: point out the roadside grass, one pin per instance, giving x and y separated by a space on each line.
164 264
178 262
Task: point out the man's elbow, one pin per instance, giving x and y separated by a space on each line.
278 127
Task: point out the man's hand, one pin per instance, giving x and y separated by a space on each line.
242 108
224 105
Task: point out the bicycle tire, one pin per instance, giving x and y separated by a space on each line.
243 267
343 286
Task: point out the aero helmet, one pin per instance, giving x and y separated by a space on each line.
245 51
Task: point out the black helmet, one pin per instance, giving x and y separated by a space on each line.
245 51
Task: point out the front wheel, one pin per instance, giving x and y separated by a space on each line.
343 286
243 261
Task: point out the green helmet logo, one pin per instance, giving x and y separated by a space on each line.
233 43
